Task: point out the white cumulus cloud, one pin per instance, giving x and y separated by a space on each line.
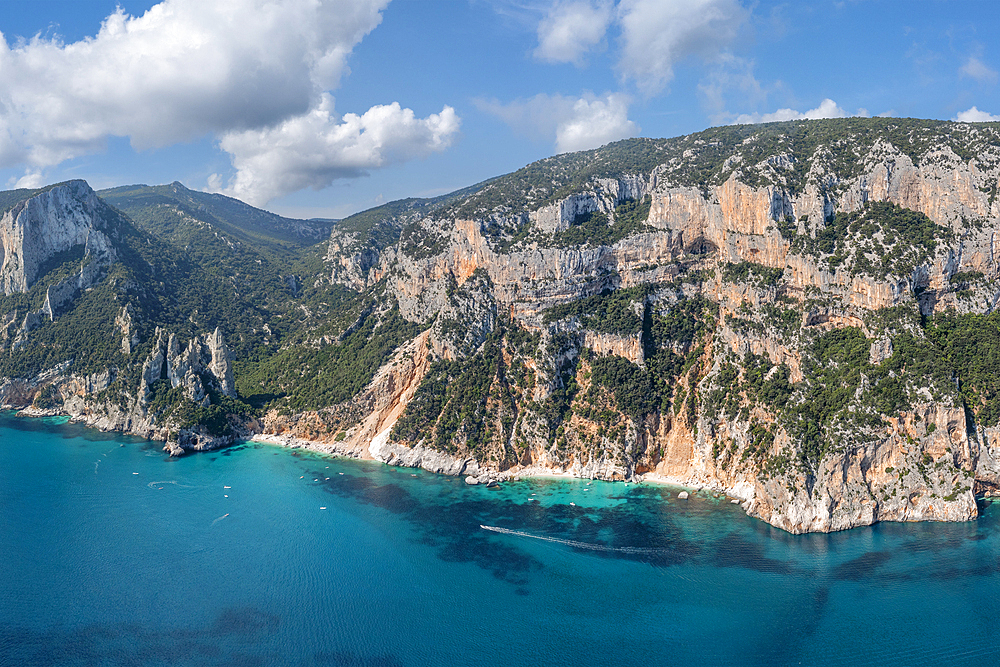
827 109
574 124
179 71
595 122
657 34
570 29
974 115
317 148
974 68
254 73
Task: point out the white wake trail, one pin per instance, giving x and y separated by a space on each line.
574 543
153 485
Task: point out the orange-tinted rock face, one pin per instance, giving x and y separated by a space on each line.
883 476
483 297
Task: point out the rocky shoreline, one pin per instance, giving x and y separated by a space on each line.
439 463
424 458
474 474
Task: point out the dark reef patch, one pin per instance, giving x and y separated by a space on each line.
223 642
862 567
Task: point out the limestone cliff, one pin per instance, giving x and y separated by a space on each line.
55 221
801 315
77 304
781 252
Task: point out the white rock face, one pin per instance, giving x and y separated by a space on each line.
57 220
426 458
740 219
184 366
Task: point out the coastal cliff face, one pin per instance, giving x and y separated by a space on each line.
800 315
59 220
701 345
79 334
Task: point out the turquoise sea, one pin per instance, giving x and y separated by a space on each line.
112 554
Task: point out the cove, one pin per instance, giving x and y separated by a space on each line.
113 554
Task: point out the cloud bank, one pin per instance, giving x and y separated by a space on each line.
827 109
974 68
313 150
575 124
571 29
974 115
659 33
654 34
184 69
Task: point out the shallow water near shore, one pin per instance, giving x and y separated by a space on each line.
256 554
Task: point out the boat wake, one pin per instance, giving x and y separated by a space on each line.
574 543
220 518
154 485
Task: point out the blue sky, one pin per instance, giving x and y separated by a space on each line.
321 108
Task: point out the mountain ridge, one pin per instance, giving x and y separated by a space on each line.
798 314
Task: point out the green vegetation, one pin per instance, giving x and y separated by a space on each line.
879 240
971 346
46 398
11 198
594 229
670 337
614 312
189 262
844 395
784 320
838 370
759 441
380 227
459 405
168 402
788 228
767 154
419 243
964 280
751 272
309 377
84 335
226 215
766 383
633 388
551 179
189 270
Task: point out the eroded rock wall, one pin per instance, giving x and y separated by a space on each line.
903 472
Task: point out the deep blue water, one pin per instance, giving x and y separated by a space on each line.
114 554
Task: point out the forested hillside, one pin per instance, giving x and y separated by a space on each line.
799 314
